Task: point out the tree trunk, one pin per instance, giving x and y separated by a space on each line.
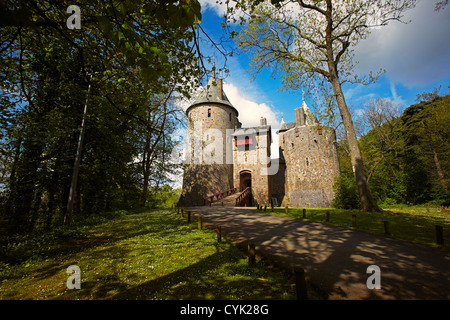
367 201
146 170
375 167
12 180
436 158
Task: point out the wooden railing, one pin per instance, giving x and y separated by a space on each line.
218 195
241 197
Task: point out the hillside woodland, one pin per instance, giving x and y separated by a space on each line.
407 158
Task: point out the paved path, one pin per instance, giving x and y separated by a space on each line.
336 259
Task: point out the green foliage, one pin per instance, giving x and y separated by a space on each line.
140 54
164 197
345 193
407 158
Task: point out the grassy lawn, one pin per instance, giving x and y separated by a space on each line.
415 224
150 255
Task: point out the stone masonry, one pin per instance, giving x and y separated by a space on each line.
222 155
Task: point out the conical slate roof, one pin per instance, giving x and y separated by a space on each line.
210 94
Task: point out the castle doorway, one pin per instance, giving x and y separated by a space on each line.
245 179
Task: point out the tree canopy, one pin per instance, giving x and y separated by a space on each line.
141 57
406 155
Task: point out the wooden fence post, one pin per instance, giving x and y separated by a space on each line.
354 221
251 254
188 216
286 209
328 216
386 227
300 284
219 234
439 234
304 213
199 223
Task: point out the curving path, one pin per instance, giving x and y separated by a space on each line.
335 259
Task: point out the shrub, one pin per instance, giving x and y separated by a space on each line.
346 193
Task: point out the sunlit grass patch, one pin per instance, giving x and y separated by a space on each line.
152 255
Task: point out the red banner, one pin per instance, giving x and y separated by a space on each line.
240 142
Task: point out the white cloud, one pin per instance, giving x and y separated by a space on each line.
219 8
416 53
250 112
396 99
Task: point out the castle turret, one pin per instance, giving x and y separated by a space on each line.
211 120
309 155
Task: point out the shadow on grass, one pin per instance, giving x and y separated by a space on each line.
200 281
15 250
223 275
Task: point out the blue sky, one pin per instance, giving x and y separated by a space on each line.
416 57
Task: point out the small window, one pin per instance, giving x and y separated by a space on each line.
247 143
209 112
307 162
230 116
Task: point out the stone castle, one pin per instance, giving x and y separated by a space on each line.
225 160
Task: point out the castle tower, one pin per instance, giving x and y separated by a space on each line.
309 152
211 121
251 155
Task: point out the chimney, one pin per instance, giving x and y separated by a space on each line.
299 117
263 121
220 89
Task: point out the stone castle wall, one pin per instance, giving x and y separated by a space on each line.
312 164
277 181
209 151
201 180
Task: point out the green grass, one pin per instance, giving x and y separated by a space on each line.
414 224
151 255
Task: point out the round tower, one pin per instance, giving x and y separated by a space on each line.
209 155
309 151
